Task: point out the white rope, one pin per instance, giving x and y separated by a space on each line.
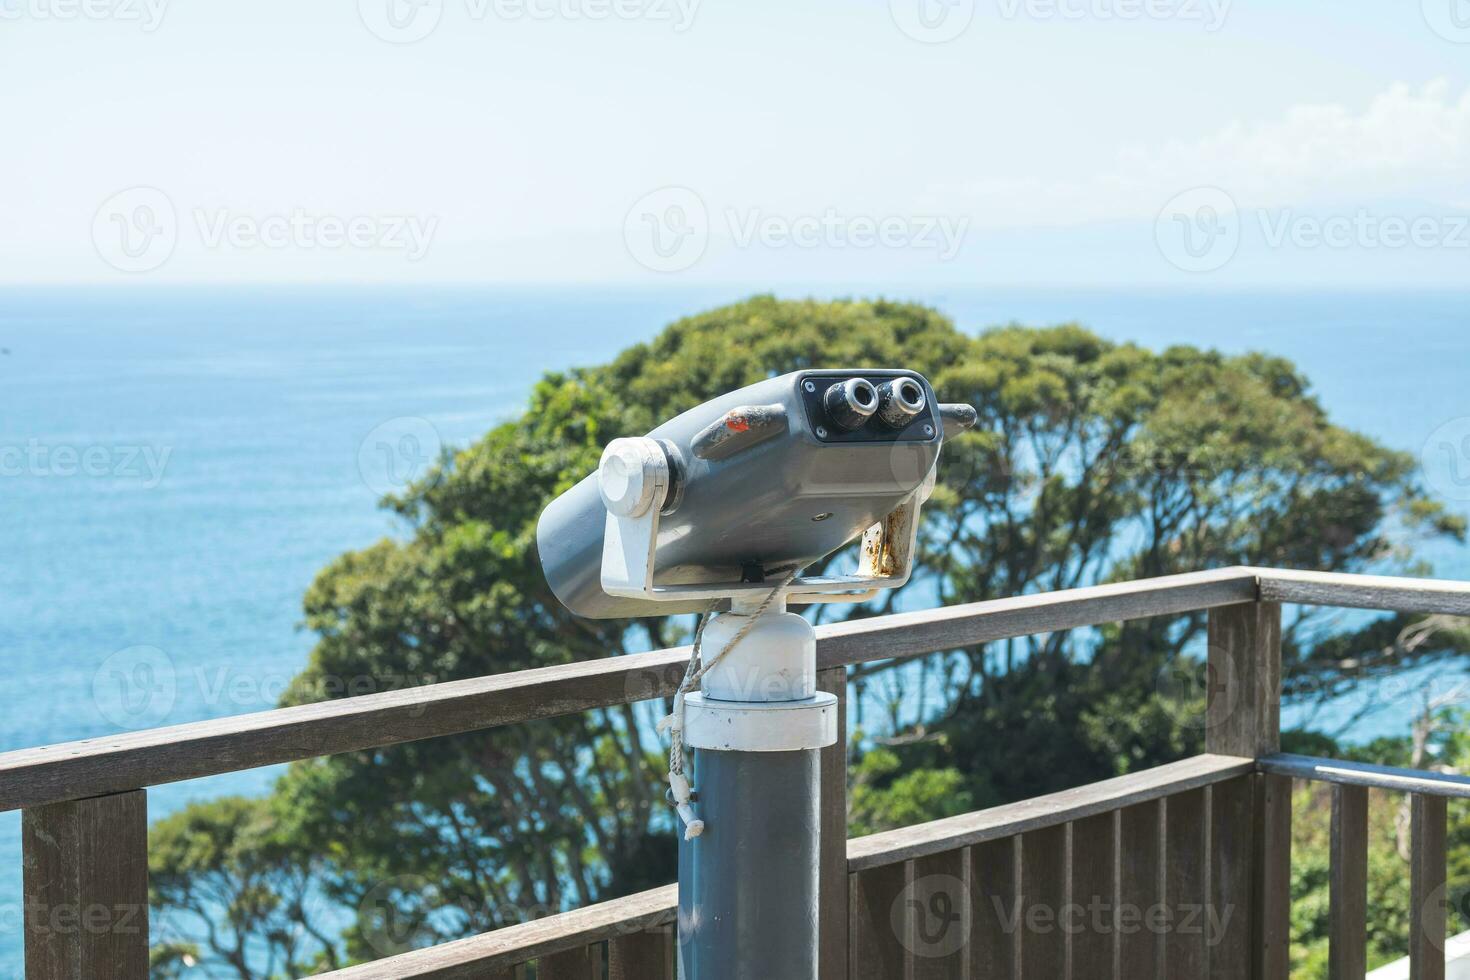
693 674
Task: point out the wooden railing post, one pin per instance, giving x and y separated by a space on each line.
86 888
1244 676
1243 718
832 903
1348 911
1426 887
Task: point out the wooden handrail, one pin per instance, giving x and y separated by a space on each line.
952 627
95 767
483 955
1406 595
969 829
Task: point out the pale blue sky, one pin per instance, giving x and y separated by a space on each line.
1042 144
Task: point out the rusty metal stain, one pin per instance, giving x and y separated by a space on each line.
883 551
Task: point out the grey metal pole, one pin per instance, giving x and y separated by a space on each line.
748 885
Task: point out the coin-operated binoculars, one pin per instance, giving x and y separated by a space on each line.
719 510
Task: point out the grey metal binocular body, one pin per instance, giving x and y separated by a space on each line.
749 486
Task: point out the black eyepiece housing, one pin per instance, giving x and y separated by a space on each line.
849 404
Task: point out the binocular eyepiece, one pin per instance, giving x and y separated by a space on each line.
853 403
849 404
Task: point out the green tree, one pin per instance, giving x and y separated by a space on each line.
1093 461
230 877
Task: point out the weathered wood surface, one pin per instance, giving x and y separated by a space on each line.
1044 870
1411 595
1140 888
94 767
876 946
928 630
86 889
1427 900
1250 847
1186 885
1044 811
938 917
1364 774
583 963
995 888
1094 871
1271 931
29 777
642 956
1348 888
832 911
1243 681
484 955
1229 919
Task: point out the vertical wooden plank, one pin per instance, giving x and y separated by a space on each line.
939 917
573 964
1243 680
1348 929
1094 900
1043 903
995 890
1243 717
1427 882
1226 919
641 956
875 947
1140 890
86 888
832 905
1271 931
1185 884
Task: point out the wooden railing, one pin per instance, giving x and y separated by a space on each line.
994 894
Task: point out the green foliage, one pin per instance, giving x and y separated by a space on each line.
1388 850
1093 461
1388 881
883 796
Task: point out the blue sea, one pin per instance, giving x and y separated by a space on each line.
180 463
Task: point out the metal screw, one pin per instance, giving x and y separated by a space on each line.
821 432
929 431
810 386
